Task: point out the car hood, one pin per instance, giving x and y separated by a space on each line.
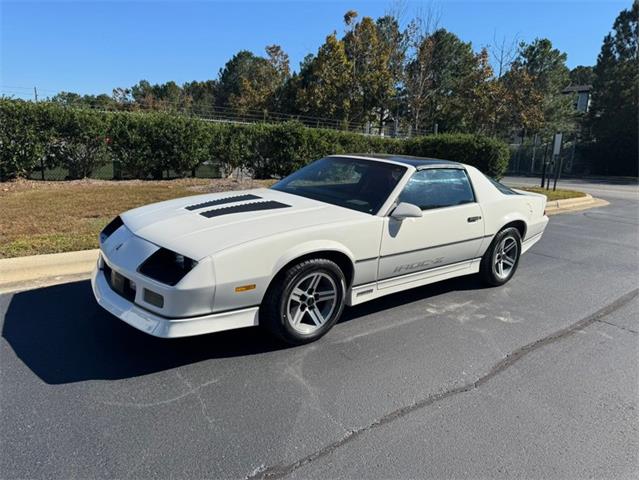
201 225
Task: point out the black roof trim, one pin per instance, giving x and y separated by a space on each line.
417 162
222 201
245 207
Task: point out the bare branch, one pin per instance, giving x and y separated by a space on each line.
504 52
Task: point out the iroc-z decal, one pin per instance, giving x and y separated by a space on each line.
423 265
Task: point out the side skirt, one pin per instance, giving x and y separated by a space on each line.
364 293
530 242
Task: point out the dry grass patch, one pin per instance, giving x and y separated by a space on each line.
554 195
52 217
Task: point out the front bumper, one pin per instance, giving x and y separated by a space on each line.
159 326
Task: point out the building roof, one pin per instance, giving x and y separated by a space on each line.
416 162
577 88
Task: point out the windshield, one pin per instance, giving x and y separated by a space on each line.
358 184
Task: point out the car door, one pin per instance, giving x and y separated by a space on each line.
447 236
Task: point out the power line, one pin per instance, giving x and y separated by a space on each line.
225 114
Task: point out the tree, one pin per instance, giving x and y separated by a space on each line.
250 83
230 78
504 53
436 80
69 99
372 78
477 96
203 96
546 67
325 82
517 103
395 42
167 96
613 117
582 75
279 60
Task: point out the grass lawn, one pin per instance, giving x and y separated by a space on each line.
557 195
49 217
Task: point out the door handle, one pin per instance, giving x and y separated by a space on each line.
473 219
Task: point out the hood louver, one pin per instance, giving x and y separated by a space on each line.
245 207
222 201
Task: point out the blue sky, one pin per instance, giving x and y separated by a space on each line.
92 47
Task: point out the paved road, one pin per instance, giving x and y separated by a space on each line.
538 378
626 189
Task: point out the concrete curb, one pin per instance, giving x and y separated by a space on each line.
19 270
574 204
39 270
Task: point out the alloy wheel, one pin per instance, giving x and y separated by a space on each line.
312 302
505 257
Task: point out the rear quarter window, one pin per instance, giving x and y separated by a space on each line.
501 187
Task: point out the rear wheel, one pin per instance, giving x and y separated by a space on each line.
501 259
304 302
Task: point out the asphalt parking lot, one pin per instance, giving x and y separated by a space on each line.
536 379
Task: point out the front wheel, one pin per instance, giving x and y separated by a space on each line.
501 259
304 302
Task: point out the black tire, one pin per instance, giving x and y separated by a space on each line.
489 272
274 309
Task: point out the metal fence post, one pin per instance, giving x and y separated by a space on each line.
117 172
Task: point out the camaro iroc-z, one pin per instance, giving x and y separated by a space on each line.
341 231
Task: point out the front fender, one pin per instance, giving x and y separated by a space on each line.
257 267
310 247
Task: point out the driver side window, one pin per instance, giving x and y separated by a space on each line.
437 188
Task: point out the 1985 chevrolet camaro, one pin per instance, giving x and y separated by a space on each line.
341 231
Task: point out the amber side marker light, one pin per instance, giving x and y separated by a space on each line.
245 288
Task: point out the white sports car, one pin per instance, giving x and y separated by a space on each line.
341 231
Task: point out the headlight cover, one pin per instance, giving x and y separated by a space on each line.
111 227
166 266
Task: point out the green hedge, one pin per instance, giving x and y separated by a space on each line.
144 145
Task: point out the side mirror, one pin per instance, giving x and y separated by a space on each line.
406 210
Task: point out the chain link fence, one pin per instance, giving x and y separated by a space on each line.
530 157
112 170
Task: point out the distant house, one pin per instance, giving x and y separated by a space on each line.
582 96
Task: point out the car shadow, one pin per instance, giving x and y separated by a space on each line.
63 336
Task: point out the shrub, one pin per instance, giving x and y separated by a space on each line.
23 138
489 155
78 142
144 145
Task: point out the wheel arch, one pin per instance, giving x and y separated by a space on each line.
508 221
341 256
519 224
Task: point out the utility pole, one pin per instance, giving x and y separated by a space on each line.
35 96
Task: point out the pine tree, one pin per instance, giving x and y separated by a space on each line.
613 117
